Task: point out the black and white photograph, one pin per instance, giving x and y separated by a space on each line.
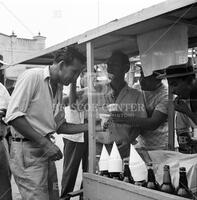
98 100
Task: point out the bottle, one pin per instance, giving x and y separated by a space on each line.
183 189
151 182
167 184
127 174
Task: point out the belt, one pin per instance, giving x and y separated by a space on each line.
20 140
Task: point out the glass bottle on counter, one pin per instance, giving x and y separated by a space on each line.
183 189
127 174
151 182
167 183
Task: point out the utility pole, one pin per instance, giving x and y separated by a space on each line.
98 12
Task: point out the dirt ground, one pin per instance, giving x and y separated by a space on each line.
59 165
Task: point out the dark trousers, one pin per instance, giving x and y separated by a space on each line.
5 185
74 152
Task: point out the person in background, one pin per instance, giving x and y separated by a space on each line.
181 78
76 146
154 127
5 185
35 112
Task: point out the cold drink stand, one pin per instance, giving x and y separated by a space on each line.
98 187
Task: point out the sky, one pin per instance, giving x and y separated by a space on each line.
59 20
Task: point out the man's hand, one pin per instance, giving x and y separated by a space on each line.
52 151
181 106
106 125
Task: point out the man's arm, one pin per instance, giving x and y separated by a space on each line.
68 128
181 106
151 123
25 129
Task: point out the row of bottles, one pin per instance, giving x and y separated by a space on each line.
136 172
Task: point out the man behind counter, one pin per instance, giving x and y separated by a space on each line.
129 99
182 80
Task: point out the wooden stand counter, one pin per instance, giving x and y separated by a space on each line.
101 188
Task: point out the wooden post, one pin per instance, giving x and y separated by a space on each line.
91 110
170 120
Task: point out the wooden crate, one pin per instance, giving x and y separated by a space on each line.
101 188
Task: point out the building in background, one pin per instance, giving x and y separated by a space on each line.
13 48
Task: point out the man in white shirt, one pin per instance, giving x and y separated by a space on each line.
35 112
75 146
